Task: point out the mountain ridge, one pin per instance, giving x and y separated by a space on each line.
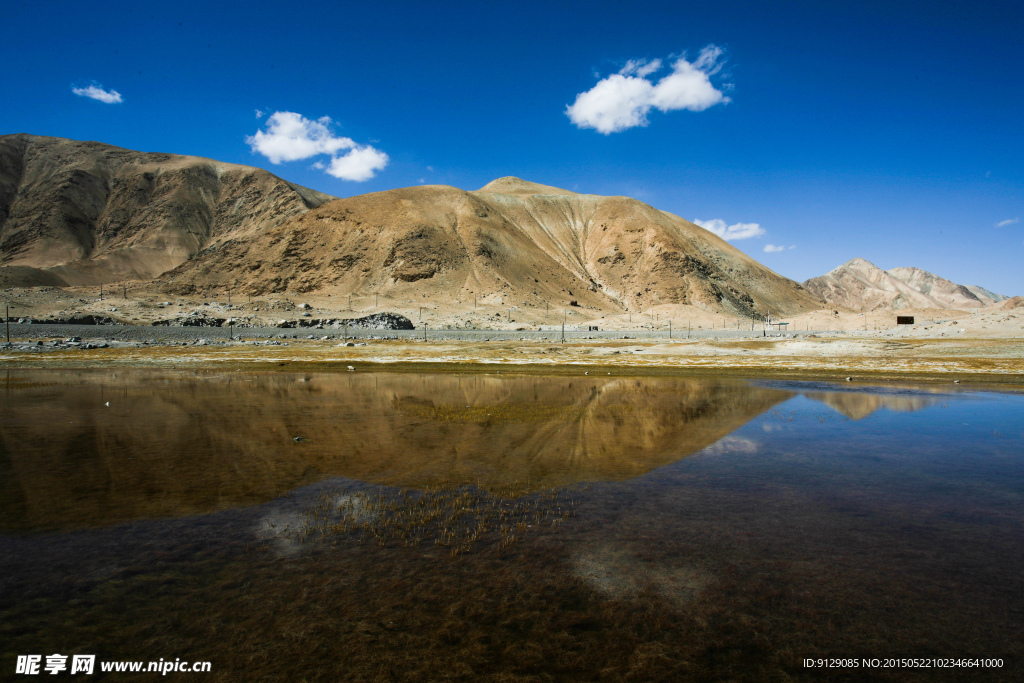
860 285
85 213
512 241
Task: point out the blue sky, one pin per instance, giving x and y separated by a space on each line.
886 130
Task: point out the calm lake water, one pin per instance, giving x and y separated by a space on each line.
393 526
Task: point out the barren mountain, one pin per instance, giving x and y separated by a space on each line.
85 213
863 286
985 296
512 243
1010 304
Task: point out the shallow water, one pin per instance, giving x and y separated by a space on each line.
621 528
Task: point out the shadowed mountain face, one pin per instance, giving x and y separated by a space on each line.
96 448
85 213
511 242
863 286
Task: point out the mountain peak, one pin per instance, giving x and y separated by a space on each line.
860 262
856 264
517 186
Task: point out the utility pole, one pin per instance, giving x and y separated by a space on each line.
376 299
124 291
669 329
687 329
7 320
101 291
350 301
563 331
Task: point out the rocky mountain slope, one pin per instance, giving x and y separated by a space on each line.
863 286
87 213
510 243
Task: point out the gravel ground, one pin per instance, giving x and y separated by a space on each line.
168 334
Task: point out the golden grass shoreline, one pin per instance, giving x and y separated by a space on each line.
969 362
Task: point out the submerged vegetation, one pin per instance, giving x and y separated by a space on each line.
455 516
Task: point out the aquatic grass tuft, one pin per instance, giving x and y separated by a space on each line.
453 516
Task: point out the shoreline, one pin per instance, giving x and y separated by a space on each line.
981 362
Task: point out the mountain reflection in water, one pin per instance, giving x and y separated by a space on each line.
92 448
858 405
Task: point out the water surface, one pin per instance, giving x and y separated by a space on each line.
661 528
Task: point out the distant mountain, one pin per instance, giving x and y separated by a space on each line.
1010 304
985 295
86 213
861 285
511 242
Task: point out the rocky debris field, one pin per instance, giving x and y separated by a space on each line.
30 336
377 321
69 320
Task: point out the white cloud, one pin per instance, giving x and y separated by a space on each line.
1008 221
736 231
259 113
96 92
318 165
769 248
623 100
640 67
360 164
290 136
731 444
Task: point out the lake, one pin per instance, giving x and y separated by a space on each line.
393 526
